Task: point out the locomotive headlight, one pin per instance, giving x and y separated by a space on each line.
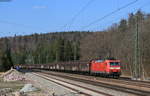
117 67
114 67
111 67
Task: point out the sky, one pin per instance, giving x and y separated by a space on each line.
24 17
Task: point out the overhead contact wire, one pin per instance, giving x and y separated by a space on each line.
109 14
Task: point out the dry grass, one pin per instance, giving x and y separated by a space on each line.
1 73
15 85
1 80
37 93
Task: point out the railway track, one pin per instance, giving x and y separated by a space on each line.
128 82
74 87
128 87
144 84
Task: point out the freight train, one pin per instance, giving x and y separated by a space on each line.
106 68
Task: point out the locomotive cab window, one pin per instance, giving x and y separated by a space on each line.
99 61
114 63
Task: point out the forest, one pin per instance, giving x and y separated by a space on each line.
118 41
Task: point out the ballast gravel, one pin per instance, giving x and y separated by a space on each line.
101 89
51 88
57 90
12 75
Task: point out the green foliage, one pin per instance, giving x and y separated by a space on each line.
6 61
42 49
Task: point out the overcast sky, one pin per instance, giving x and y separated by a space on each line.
23 17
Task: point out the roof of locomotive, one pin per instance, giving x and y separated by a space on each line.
109 59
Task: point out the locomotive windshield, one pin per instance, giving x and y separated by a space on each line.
114 63
99 61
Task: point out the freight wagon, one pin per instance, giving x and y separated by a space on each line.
107 68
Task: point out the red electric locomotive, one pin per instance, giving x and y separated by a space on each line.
106 67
